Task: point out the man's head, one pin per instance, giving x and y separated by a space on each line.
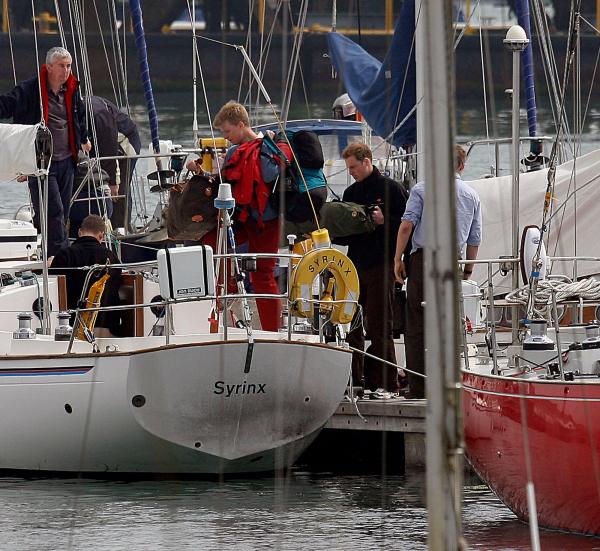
460 158
234 123
58 63
92 226
359 160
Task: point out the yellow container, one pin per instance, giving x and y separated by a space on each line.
211 147
321 239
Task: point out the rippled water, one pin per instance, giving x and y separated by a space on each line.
298 512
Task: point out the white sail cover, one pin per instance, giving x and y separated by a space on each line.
17 150
574 228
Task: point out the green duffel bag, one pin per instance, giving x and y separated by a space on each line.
343 219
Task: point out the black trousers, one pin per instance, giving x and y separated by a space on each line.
414 333
376 299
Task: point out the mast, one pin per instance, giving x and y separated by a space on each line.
444 423
140 42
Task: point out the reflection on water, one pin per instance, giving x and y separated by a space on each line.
298 512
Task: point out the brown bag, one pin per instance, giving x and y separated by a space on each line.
191 212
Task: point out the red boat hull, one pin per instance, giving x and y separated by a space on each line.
550 429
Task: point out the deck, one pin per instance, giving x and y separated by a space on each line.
388 434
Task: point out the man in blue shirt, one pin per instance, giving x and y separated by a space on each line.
468 225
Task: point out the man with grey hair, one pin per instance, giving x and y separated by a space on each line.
53 97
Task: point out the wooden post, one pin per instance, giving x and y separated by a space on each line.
4 16
389 15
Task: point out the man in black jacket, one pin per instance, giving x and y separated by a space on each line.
373 255
114 133
63 112
88 250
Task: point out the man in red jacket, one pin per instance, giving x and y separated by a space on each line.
63 112
251 169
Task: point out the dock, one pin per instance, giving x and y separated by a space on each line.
383 434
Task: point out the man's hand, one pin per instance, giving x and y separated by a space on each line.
377 216
22 178
399 270
114 190
86 146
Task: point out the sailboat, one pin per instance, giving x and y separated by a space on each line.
180 394
531 408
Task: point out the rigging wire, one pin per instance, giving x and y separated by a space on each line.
110 72
12 55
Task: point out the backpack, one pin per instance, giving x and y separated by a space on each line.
305 165
308 159
191 213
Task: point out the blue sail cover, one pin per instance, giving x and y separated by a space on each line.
384 93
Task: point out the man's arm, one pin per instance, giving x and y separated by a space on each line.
404 232
8 102
79 112
107 145
473 241
471 254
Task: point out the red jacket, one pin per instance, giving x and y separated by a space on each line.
72 85
244 170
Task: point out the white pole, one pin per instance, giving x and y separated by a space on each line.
442 329
515 41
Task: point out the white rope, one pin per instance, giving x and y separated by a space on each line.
586 289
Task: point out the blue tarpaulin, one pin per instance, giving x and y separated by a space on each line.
383 92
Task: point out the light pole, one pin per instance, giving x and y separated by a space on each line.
516 41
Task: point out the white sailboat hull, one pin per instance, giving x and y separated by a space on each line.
188 408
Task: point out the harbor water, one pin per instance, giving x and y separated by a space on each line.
303 510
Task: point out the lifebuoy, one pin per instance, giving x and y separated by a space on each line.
345 289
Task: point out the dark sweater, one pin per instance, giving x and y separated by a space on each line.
86 251
368 250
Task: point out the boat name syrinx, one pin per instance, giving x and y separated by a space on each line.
242 388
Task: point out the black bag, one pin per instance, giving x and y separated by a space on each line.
294 188
307 148
191 212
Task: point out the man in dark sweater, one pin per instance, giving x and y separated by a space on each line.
53 96
113 133
373 256
88 250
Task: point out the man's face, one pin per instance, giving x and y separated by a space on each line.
59 70
233 132
359 170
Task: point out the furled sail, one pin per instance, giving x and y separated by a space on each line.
383 92
140 42
17 150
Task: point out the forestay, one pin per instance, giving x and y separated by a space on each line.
17 150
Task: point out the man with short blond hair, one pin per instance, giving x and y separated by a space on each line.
372 254
252 170
64 114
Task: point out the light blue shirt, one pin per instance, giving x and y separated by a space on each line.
468 215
